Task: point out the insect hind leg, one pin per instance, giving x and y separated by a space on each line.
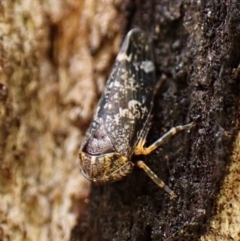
141 150
156 179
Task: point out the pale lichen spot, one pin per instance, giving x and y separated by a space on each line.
147 66
116 96
110 85
126 127
123 112
137 109
134 103
136 66
144 110
116 119
132 83
109 106
124 76
116 84
123 56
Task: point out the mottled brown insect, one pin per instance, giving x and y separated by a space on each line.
121 123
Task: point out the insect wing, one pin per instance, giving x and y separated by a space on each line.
127 102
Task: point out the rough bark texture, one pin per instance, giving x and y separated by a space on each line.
55 58
49 83
197 49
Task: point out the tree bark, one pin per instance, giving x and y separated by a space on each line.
196 49
55 59
53 65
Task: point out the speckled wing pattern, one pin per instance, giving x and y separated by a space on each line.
126 104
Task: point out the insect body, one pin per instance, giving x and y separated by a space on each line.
121 123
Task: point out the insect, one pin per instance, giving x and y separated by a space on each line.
121 123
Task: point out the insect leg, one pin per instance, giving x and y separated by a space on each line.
141 150
156 179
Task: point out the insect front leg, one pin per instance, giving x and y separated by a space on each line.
156 179
141 150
